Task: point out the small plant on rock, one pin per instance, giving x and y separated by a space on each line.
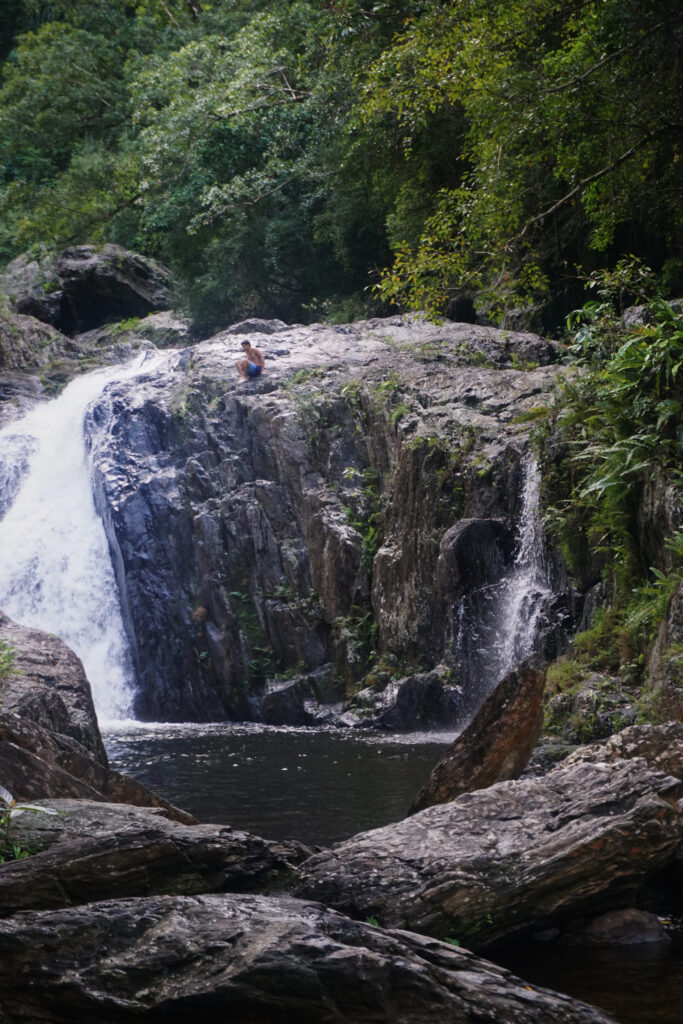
9 811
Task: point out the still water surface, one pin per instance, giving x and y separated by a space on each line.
311 785
320 787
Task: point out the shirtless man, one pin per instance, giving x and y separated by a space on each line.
253 363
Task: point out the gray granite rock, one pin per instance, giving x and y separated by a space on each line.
509 859
251 959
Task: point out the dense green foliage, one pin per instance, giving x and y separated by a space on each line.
613 456
279 155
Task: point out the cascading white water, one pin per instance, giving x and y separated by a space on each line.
498 625
525 591
55 568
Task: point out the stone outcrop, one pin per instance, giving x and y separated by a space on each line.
660 746
251 958
427 700
97 851
496 745
48 686
50 743
509 859
28 344
86 285
296 524
628 927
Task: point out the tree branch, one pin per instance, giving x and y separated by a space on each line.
607 169
601 63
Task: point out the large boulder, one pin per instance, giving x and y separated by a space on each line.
48 686
50 743
86 285
509 859
496 745
96 851
255 959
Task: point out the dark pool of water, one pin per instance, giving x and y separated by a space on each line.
314 786
636 984
320 787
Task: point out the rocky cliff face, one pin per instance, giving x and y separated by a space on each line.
345 503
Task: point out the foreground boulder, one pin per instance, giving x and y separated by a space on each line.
509 859
497 743
251 959
96 851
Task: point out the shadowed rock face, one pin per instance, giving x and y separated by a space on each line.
296 522
497 743
501 861
256 960
86 286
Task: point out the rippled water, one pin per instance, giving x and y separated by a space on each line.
314 786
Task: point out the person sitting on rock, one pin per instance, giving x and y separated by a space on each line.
252 365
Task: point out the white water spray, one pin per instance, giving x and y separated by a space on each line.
55 568
498 625
525 592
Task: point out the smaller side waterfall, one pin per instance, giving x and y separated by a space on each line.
55 567
498 625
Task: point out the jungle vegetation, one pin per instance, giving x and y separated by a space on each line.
316 159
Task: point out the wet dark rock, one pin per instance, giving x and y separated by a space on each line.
628 927
305 700
473 554
255 959
497 743
428 700
97 851
296 522
511 859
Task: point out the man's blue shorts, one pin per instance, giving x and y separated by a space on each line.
253 370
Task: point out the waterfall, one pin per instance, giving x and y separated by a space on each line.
498 625
55 568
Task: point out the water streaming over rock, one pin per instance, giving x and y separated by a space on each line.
55 567
498 625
